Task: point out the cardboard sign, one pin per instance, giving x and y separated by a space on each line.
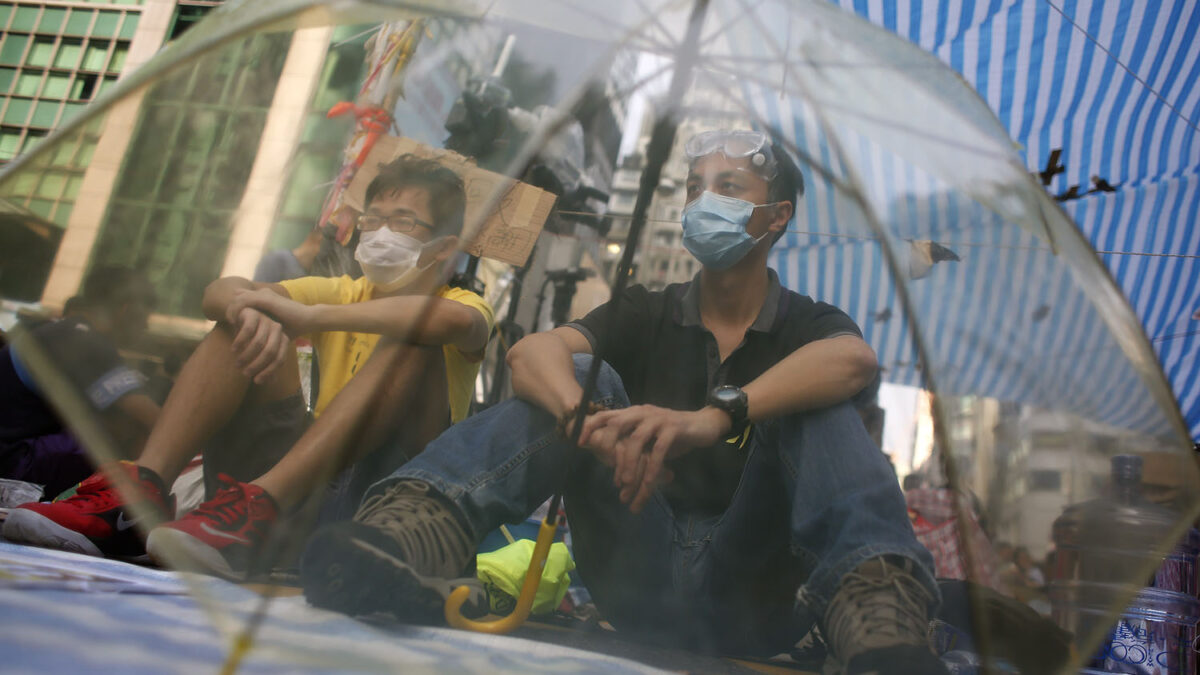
507 233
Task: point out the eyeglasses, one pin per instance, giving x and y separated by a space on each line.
735 144
400 224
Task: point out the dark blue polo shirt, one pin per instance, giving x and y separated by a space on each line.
666 357
87 358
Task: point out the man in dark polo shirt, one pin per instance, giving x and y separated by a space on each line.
34 445
729 495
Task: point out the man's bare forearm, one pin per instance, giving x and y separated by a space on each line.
817 375
543 372
219 294
415 319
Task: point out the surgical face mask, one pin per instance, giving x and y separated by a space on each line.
714 230
389 259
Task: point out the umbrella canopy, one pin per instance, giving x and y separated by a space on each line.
920 217
1100 99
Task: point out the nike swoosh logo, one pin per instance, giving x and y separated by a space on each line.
123 524
224 535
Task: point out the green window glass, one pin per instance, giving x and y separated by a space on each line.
31 138
105 84
56 85
72 189
10 140
129 26
41 207
28 82
94 55
63 215
52 20
78 21
52 185
186 168
7 75
40 52
45 114
83 87
68 53
71 110
85 150
62 153
25 18
17 111
24 181
118 58
12 48
106 24
4 12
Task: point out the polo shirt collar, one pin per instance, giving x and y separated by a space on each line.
690 304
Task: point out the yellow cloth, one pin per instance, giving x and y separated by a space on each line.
502 572
340 354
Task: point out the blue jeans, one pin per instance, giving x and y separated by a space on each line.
816 499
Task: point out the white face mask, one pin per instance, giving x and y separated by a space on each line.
389 259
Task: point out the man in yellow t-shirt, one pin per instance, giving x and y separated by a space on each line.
398 352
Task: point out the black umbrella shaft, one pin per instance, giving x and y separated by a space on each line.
662 138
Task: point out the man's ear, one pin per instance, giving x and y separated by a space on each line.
780 217
445 247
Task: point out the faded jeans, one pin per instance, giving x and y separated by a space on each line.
816 498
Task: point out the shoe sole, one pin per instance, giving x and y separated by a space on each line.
30 527
383 583
179 550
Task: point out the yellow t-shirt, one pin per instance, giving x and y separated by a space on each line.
340 354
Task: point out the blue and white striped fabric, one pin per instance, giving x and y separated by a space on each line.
1114 86
153 626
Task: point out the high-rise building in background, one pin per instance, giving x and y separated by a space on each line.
184 180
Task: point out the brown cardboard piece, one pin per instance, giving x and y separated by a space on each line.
509 231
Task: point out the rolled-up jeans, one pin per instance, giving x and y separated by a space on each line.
816 499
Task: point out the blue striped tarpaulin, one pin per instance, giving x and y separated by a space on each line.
1104 96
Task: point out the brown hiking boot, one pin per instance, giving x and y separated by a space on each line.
403 553
878 622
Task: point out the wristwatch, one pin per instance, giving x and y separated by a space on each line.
733 401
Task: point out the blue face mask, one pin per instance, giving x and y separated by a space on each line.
714 230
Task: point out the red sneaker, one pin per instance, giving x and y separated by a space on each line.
94 521
221 536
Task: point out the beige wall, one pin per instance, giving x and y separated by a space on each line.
281 134
92 202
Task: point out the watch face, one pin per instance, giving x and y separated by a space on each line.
726 394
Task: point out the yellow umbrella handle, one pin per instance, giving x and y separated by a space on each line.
541 550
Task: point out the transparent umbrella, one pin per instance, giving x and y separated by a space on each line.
918 218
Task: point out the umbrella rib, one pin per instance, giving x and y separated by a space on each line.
653 42
653 18
733 21
642 82
1126 68
801 62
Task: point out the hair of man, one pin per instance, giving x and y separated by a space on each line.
447 197
786 186
108 287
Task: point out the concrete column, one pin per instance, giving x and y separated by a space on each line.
281 134
98 182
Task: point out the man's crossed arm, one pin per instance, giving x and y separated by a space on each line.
636 441
266 319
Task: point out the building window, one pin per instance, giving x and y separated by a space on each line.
186 16
186 169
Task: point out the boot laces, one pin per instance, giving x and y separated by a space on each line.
428 535
228 505
878 605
